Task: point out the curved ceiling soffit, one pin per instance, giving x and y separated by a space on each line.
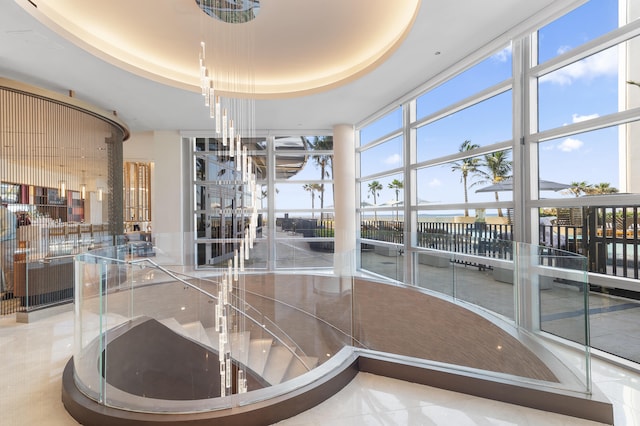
291 56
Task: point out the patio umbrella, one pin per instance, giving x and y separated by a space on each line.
391 203
507 185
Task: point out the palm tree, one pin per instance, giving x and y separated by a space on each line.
602 188
466 166
264 194
322 143
396 185
374 189
579 188
312 188
497 167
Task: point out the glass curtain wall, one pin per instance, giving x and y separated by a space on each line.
381 189
294 177
553 113
585 135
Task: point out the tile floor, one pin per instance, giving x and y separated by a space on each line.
32 357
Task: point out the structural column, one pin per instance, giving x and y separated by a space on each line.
344 179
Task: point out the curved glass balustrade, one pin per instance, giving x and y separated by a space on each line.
136 320
274 327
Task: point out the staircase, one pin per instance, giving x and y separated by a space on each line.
264 356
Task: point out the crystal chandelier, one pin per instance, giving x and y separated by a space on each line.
231 107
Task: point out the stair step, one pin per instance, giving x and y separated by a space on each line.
192 330
297 369
277 365
195 330
173 325
258 354
240 346
213 334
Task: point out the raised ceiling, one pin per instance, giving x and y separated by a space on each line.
293 46
317 63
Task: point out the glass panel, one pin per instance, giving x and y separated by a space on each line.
304 158
585 23
385 156
382 126
583 164
296 252
492 70
390 231
384 260
381 195
309 196
302 166
487 281
263 195
453 231
128 311
482 124
557 281
474 179
586 89
483 270
260 162
434 268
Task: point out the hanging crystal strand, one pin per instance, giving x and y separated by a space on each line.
217 115
203 70
246 243
206 89
242 382
239 157
224 127
235 266
231 138
212 100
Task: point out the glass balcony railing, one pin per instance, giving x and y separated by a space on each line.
165 341
537 289
152 339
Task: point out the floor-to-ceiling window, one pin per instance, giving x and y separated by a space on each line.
584 133
294 196
535 141
381 188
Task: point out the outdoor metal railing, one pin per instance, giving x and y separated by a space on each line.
609 236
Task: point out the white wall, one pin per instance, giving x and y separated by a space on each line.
163 149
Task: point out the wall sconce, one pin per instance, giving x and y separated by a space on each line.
83 191
63 189
100 194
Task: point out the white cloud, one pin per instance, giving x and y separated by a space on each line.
504 54
570 144
563 49
393 159
575 118
435 182
601 64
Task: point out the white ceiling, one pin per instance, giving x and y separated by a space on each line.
150 97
